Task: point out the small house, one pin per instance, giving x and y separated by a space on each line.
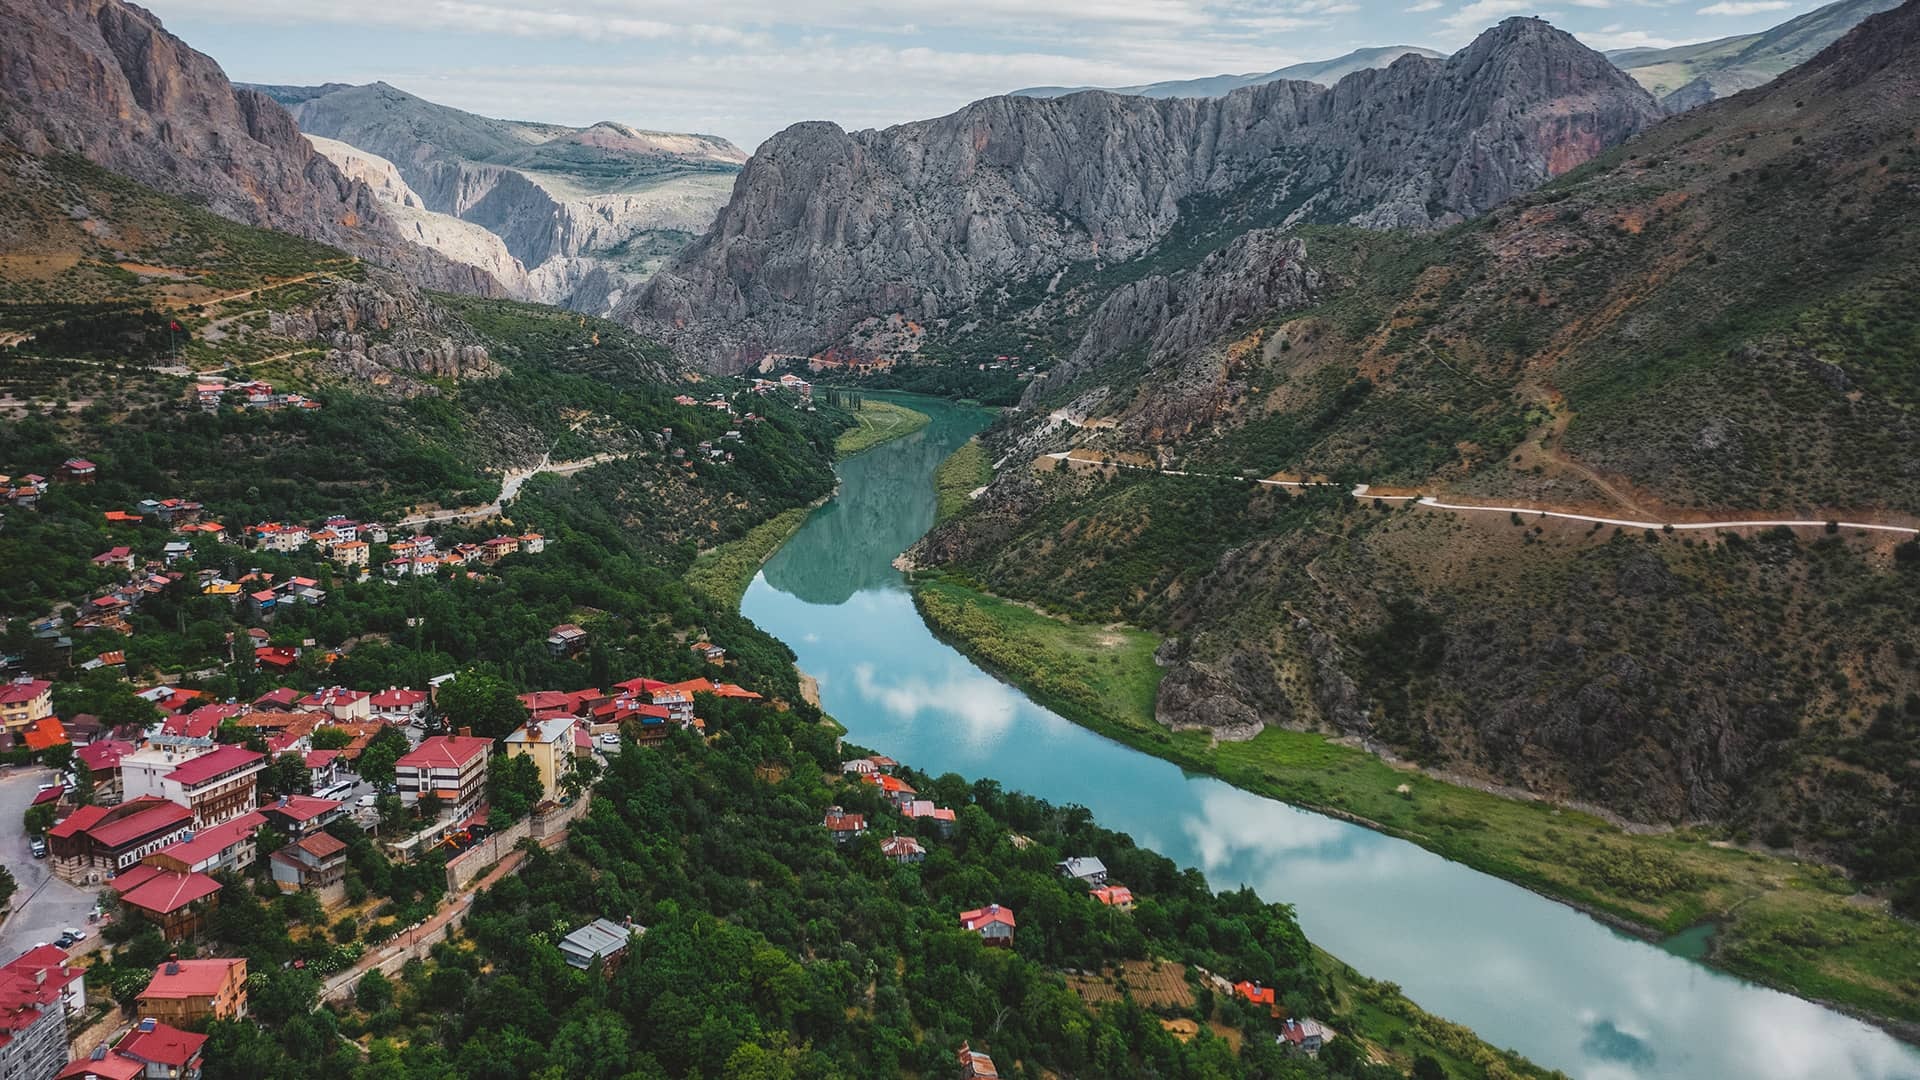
975 1065
1084 869
566 640
1258 996
993 923
904 850
1302 1036
844 827
603 940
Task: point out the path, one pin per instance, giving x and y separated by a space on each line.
243 294
510 486
43 904
452 913
1361 491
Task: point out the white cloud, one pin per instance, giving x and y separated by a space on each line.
1619 37
1591 3
1745 7
1481 14
1427 5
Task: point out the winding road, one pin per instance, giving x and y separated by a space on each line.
510 486
1361 491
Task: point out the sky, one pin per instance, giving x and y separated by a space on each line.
744 69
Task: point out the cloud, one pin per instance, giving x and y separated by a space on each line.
1427 5
1619 37
1745 7
1481 14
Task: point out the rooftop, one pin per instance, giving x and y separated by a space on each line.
227 759
445 752
164 891
190 978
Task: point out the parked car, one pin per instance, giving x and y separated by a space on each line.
38 847
366 802
76 933
63 941
610 739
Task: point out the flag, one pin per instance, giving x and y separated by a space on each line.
174 326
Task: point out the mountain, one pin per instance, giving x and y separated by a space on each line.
1715 321
104 80
1689 75
587 213
827 228
1324 72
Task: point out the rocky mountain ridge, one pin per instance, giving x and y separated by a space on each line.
1324 72
1688 76
826 227
104 80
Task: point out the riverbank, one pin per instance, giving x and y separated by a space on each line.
722 574
879 422
1791 926
964 472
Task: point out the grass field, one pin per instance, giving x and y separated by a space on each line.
724 573
879 422
964 470
1782 923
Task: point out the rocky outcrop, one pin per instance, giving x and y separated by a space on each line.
382 331
827 227
103 79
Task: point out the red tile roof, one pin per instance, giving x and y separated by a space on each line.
444 752
49 795
1113 895
1255 993
104 755
209 843
165 891
304 807
321 845
320 759
189 978
46 732
163 1045
157 816
986 916
19 693
285 695
78 821
399 698
109 1066
226 759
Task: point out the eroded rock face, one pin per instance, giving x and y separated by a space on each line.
827 227
103 79
382 332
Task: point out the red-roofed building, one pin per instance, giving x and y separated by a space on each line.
277 658
975 1065
23 702
122 517
903 849
399 705
1255 994
151 1051
340 703
94 842
298 815
77 470
216 786
898 791
37 993
1114 896
566 639
200 723
227 846
316 863
844 827
190 992
281 700
448 767
993 923
120 558
44 734
102 759
323 767
175 902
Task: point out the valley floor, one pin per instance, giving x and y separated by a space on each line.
1798 927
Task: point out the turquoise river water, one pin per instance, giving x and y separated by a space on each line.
1523 971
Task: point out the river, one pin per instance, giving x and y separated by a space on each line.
1523 971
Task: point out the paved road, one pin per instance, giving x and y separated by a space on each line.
43 905
1361 490
509 490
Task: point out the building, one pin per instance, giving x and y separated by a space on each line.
923 809
603 940
340 703
975 1065
452 768
708 651
549 743
116 558
352 554
844 827
77 471
216 786
1089 870
176 902
1114 896
566 640
24 701
102 759
151 1051
94 842
297 815
1303 1036
186 993
46 966
993 923
33 1017
399 705
226 846
1258 996
315 863
904 850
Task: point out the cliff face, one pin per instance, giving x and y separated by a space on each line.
826 227
103 79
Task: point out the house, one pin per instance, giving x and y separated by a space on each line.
898 791
121 517
903 850
277 657
1303 1036
47 966
603 940
151 1051
1089 870
102 759
351 553
499 548
77 471
844 827
189 992
44 734
298 815
95 842
533 543
858 767
314 863
33 1015
993 923
118 558
323 767
452 768
923 809
218 785
282 699
399 705
975 1065
1258 996
566 640
797 384
549 743
340 703
24 701
176 902
711 653
1114 896
227 846
175 550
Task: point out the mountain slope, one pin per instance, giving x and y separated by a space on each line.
587 212
1690 75
826 228
103 79
1324 72
1715 321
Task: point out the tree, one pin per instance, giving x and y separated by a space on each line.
375 764
39 819
287 775
481 701
513 788
1428 1067
331 738
374 992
